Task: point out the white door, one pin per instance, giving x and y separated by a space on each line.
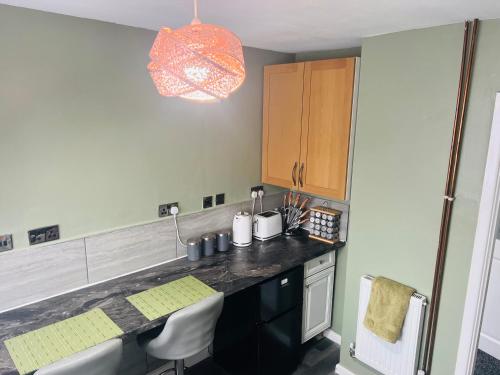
318 300
489 340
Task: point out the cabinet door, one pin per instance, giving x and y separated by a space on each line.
283 88
317 314
326 124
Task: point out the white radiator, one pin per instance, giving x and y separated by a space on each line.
400 358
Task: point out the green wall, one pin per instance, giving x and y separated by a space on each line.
86 142
405 116
485 83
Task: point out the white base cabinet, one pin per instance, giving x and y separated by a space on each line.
318 301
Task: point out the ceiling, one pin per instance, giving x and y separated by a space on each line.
280 25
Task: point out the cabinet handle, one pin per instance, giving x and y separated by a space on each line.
294 172
301 181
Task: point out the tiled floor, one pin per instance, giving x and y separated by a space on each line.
486 364
320 356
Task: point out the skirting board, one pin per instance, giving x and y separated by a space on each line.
337 339
332 336
340 370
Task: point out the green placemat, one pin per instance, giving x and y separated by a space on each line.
167 298
39 348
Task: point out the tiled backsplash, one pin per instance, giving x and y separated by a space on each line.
31 274
126 250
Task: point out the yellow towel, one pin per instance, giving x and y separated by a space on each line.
387 308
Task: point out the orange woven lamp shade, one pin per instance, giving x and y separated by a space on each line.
201 62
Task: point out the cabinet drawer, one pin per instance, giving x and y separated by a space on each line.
319 264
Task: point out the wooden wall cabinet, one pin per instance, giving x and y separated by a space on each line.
306 125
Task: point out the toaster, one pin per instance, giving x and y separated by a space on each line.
267 225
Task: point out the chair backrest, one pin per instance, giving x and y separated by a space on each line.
189 330
103 359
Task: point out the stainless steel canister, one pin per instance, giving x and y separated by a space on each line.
194 249
208 244
223 240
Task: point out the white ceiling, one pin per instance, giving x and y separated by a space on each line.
280 25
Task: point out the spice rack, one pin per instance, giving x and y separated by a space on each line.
324 224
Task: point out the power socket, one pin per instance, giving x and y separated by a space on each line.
256 188
207 202
220 199
6 242
164 209
45 234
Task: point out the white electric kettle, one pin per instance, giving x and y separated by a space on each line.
242 229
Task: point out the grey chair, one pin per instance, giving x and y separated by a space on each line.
102 359
186 332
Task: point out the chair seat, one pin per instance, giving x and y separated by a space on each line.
187 332
102 359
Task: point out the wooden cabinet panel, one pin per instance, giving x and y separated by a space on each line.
282 115
326 123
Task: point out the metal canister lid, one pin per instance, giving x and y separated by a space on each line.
193 241
208 236
224 232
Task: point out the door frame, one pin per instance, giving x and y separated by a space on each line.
482 254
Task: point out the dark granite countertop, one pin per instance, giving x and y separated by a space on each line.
228 272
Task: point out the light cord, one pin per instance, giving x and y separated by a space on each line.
195 9
177 231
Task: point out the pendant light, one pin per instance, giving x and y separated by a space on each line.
201 62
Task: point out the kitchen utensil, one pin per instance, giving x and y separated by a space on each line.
223 239
242 229
208 244
267 225
293 212
193 249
